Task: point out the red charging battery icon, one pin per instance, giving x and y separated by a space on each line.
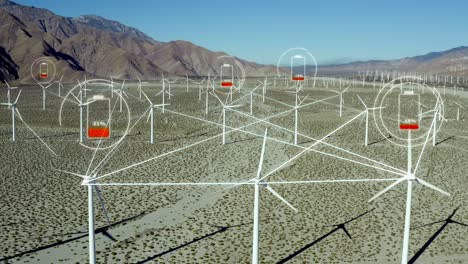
298 68
43 70
227 75
98 118
408 115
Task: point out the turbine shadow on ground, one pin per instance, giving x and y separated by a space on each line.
341 226
221 229
447 139
380 140
436 234
102 230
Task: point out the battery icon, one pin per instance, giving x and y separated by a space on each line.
227 75
408 115
43 70
98 118
298 68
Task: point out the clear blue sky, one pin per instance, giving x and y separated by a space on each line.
262 30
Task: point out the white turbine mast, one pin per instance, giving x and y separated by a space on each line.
341 99
151 116
366 137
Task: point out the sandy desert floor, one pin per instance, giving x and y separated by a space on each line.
44 216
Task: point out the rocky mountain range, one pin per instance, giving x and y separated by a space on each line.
96 47
450 62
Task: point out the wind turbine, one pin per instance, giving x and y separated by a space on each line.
260 183
14 112
82 106
9 88
458 110
341 99
163 92
112 87
121 93
366 138
298 103
223 114
151 116
169 83
409 178
44 88
139 85
251 99
265 83
91 230
60 85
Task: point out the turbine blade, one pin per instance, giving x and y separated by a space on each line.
17 97
217 98
18 114
346 89
423 182
147 97
360 99
281 198
387 189
262 154
103 205
149 115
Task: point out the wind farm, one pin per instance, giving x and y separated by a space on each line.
184 155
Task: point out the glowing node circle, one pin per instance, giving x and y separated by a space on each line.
99 82
380 106
296 53
43 70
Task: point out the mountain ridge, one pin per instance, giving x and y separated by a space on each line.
93 46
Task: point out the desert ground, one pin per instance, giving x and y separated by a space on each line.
44 214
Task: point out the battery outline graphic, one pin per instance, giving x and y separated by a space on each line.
411 98
227 82
294 75
100 129
43 70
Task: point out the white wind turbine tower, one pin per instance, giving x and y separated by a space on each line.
410 178
169 83
60 85
458 110
251 99
260 183
112 87
82 106
9 88
151 116
187 81
140 83
366 138
223 114
163 92
121 93
14 112
298 103
265 83
44 88
200 86
341 99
